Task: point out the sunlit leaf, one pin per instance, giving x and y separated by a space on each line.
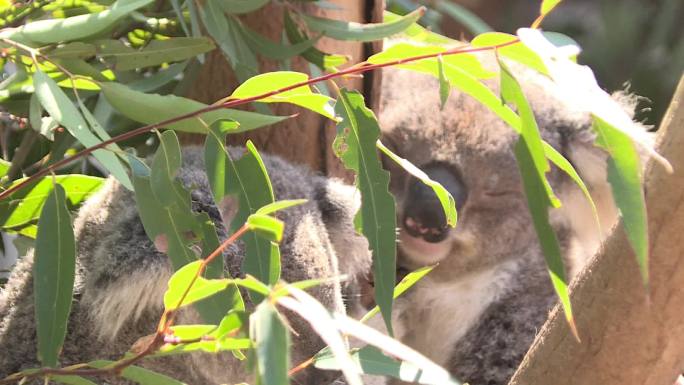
202 287
344 30
533 166
417 33
266 226
355 145
516 51
280 205
406 283
548 5
624 176
24 206
54 269
302 96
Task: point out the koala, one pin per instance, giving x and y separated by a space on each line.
121 276
478 311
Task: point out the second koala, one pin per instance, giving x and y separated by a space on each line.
121 277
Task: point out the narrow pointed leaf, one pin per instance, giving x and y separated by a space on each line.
323 60
242 6
272 345
60 107
153 108
273 50
266 226
517 51
123 58
355 145
140 375
54 269
280 205
343 30
200 289
624 176
406 283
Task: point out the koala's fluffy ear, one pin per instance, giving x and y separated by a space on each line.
338 203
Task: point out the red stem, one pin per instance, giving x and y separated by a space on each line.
357 69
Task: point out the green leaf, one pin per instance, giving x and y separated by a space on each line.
445 198
72 380
417 33
247 179
227 34
273 50
54 269
280 205
516 51
4 167
123 58
140 375
267 226
216 346
75 49
272 345
463 16
372 361
49 31
321 59
355 143
406 283
188 332
24 206
343 30
532 163
164 168
444 86
624 177
302 96
60 107
547 6
200 289
153 108
242 6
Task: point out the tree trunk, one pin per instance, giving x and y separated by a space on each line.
628 336
306 138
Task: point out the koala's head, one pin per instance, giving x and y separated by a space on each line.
469 150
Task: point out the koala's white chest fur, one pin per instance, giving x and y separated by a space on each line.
435 315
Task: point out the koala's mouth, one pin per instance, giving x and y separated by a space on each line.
417 252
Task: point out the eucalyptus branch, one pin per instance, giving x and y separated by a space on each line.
357 69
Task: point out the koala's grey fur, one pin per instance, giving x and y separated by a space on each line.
121 277
478 311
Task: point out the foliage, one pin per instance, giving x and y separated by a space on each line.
79 75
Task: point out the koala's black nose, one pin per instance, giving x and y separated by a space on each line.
423 213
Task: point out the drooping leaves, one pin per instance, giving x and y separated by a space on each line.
179 287
533 166
321 59
516 51
246 179
54 269
355 143
140 375
60 107
343 30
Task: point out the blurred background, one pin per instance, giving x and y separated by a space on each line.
633 44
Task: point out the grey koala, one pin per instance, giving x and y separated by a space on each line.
478 311
121 277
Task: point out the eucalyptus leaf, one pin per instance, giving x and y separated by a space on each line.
272 345
140 375
60 107
275 50
266 226
343 30
24 206
280 205
406 283
355 145
242 6
49 31
153 108
301 96
122 58
200 289
516 51
313 55
54 269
